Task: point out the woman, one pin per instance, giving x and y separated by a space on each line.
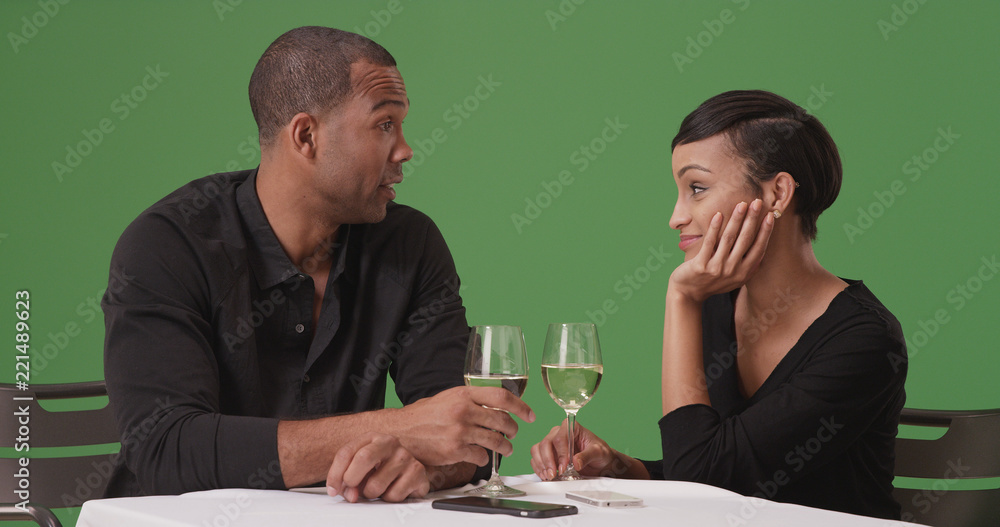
780 379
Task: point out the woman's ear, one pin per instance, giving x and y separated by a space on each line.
781 190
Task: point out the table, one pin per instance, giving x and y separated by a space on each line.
667 503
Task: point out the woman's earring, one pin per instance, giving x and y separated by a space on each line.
777 213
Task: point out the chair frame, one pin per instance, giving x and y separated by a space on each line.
39 515
969 449
72 428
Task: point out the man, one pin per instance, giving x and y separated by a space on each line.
263 309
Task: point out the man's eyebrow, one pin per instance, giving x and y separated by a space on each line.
681 172
385 102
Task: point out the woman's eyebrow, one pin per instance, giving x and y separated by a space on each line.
681 172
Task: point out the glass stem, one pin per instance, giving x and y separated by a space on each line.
570 428
495 474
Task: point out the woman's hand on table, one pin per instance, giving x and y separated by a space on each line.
594 457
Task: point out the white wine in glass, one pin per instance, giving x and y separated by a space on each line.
496 358
572 368
514 384
572 385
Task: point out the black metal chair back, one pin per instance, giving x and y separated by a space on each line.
53 482
969 449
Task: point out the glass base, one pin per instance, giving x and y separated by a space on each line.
570 474
495 489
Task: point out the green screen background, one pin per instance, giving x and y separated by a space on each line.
885 77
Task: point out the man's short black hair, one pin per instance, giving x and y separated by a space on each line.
772 134
308 69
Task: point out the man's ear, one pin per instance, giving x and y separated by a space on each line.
301 134
780 192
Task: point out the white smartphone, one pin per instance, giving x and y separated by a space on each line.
605 498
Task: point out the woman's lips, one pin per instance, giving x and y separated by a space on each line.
686 241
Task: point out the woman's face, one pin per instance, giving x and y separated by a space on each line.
710 179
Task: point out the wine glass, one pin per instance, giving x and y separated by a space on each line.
496 357
571 370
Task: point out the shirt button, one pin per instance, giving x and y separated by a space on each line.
305 378
299 328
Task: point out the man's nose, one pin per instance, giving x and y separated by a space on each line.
402 152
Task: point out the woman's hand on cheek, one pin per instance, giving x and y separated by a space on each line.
727 257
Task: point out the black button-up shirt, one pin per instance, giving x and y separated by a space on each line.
210 339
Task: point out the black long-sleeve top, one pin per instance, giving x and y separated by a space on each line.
820 431
210 339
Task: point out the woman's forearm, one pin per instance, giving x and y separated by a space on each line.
683 368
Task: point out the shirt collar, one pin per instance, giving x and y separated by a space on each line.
268 260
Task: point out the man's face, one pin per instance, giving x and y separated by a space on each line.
361 147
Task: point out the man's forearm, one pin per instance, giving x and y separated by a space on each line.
456 425
306 448
448 476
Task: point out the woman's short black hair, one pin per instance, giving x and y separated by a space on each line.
772 134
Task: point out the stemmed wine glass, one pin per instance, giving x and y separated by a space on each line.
496 357
571 370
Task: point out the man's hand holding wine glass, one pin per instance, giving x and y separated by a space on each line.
460 424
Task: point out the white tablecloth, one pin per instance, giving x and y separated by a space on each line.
667 503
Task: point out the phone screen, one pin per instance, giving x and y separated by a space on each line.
527 509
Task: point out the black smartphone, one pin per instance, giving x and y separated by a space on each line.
524 509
